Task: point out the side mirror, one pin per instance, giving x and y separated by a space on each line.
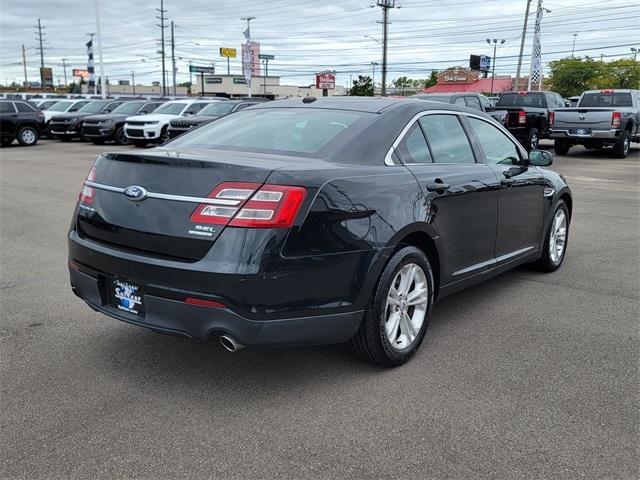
540 158
567 103
73 109
142 112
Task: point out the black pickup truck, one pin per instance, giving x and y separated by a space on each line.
528 117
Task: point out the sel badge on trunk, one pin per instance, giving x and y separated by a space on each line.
126 296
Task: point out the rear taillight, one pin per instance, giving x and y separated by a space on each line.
251 205
616 118
522 118
552 117
87 193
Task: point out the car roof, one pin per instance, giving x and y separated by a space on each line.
614 90
360 104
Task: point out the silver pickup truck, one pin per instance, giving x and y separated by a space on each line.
602 118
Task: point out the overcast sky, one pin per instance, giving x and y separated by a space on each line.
308 35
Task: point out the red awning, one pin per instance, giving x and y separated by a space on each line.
482 85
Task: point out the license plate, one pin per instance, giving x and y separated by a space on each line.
582 131
126 296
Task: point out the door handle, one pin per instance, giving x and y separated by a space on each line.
437 187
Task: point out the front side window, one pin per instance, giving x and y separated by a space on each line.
447 139
485 102
414 148
300 130
473 102
195 108
497 147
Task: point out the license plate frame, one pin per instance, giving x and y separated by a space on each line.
582 132
126 296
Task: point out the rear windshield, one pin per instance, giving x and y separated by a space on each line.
299 130
609 99
529 99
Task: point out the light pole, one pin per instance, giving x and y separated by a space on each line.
635 53
133 82
373 77
493 60
573 48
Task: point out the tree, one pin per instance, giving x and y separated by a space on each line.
362 87
432 80
74 88
623 73
572 76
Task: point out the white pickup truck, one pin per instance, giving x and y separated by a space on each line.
602 118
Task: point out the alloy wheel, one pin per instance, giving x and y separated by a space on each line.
28 136
558 237
406 307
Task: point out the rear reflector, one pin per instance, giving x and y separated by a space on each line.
522 118
616 117
266 206
203 303
552 117
87 193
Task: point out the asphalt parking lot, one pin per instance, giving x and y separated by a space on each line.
527 376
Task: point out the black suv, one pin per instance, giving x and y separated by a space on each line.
69 125
19 120
208 114
110 126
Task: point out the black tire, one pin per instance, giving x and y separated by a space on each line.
561 147
371 342
140 143
622 146
164 135
121 137
533 139
5 142
546 262
28 136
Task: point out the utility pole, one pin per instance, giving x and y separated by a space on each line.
64 67
190 78
173 59
162 11
522 40
133 81
24 66
573 48
385 5
102 89
41 50
373 76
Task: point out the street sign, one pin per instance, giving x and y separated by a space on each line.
197 69
46 76
264 56
325 81
228 52
211 80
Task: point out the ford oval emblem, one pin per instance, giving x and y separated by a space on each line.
135 193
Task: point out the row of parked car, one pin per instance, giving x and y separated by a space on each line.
123 121
599 118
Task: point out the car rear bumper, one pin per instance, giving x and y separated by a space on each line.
611 134
175 317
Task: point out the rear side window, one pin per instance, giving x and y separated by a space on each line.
302 130
473 102
7 107
605 99
447 139
414 148
459 101
497 148
24 107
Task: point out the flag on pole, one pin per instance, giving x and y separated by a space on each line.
535 75
92 78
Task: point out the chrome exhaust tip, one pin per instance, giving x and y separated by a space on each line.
230 343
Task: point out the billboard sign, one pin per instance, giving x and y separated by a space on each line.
480 63
46 76
325 81
228 52
81 72
213 80
485 62
264 56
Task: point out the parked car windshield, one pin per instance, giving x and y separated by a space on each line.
171 108
605 99
93 107
217 109
61 107
129 107
280 129
527 99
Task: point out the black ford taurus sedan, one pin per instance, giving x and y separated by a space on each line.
314 221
